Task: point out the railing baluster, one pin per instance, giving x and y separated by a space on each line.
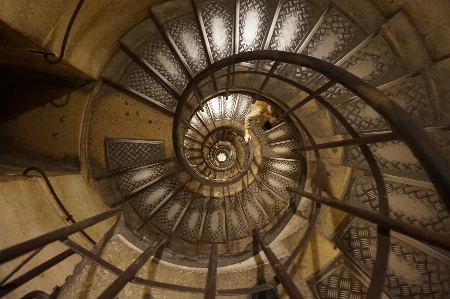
210 291
203 122
266 80
166 200
367 139
373 138
199 97
283 276
227 86
414 231
12 252
21 265
270 30
141 189
130 272
146 66
14 284
192 128
171 44
203 35
66 37
92 257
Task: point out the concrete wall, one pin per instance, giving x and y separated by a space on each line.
95 33
29 210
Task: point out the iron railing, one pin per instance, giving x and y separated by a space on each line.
403 126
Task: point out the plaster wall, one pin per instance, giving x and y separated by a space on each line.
47 136
29 210
95 33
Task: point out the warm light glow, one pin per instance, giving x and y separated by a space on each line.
190 44
219 32
251 27
167 64
288 32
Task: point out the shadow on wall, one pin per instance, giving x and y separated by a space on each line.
26 80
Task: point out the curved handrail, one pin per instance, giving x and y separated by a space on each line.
66 37
69 217
419 142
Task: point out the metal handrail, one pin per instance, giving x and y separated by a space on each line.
69 217
66 37
368 93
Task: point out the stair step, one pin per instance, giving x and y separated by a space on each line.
336 33
123 153
409 92
407 42
236 223
214 227
133 180
146 201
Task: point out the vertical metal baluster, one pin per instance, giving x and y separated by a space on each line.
277 266
130 272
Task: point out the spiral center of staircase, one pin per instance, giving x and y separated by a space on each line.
226 157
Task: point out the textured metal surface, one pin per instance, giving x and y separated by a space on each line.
277 183
411 204
282 149
148 200
236 224
122 153
166 219
186 36
190 225
140 81
334 37
281 132
288 168
254 21
205 115
411 272
405 163
214 227
134 179
216 107
243 107
294 21
218 20
340 282
410 93
158 54
253 210
229 107
271 204
375 63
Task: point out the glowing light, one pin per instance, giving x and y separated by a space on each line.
190 44
251 27
288 32
219 32
170 67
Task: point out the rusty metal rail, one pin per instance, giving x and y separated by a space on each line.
69 216
403 127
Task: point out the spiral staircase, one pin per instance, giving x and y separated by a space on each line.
201 64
